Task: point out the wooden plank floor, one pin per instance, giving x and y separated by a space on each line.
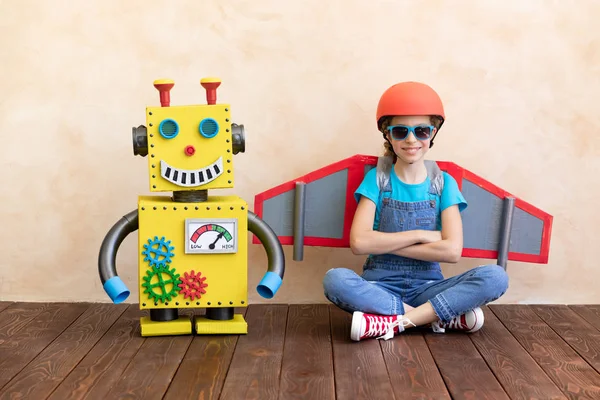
94 351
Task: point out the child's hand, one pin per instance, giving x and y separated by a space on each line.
431 236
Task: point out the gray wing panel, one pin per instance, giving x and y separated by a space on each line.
326 206
482 222
526 233
482 218
278 212
324 213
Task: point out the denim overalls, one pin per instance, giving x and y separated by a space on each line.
389 280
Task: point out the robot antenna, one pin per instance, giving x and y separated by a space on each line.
164 86
211 85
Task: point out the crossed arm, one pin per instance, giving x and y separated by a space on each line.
445 246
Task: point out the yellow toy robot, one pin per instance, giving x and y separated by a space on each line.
193 248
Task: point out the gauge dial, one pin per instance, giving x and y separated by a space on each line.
211 236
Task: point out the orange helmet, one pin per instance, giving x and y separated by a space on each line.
409 98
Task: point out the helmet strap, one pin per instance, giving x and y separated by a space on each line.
431 141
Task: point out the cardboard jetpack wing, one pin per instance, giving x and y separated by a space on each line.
317 210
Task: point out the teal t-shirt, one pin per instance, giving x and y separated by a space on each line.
405 192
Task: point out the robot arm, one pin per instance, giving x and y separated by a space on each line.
271 282
113 285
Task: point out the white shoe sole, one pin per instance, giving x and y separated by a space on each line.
478 320
355 328
479 317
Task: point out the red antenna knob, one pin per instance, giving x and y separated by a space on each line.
211 85
164 86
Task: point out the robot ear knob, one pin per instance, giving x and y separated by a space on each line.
238 137
140 141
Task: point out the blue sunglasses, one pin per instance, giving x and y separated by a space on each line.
400 132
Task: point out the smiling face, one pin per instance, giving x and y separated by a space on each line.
411 149
189 147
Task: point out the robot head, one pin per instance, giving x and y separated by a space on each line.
189 147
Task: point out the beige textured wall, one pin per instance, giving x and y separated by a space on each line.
520 81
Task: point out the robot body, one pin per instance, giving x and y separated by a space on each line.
193 248
192 255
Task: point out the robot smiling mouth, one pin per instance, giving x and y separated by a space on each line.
190 178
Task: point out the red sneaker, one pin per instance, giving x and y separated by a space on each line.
379 326
471 321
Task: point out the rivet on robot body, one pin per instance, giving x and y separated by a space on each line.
192 247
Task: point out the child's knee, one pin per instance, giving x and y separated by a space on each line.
335 278
496 279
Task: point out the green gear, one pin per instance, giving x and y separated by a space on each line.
162 294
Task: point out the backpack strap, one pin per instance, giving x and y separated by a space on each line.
384 166
435 177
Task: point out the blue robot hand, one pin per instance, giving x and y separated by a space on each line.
113 285
269 285
116 289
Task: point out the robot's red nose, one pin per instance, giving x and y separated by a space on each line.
190 150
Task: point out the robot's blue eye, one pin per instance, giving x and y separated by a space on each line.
208 128
168 128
